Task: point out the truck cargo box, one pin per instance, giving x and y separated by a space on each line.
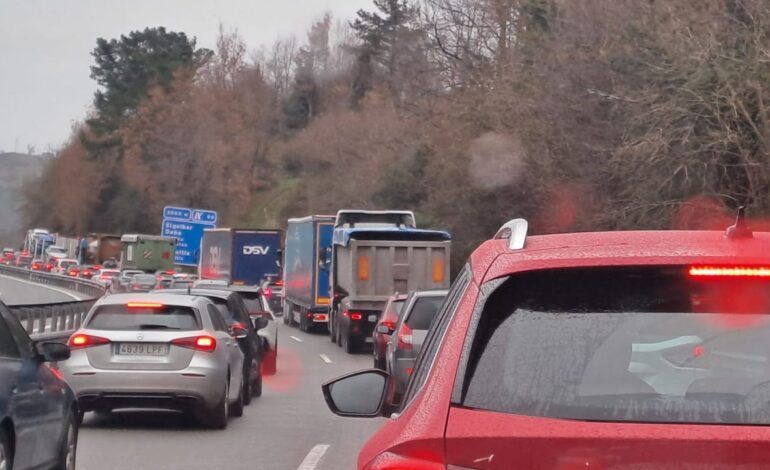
147 253
306 277
240 256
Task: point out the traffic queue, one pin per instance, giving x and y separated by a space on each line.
553 351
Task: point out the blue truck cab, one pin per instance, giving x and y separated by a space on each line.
306 295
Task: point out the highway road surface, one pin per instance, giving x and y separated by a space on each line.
288 428
15 291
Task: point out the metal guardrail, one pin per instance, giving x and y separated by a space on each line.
53 321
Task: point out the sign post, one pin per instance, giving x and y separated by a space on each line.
187 225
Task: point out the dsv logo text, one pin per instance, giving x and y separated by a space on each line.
256 250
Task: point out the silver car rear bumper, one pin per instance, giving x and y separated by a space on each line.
176 389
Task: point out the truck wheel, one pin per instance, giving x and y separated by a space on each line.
286 313
332 336
350 345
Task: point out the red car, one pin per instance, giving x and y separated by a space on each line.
586 351
385 327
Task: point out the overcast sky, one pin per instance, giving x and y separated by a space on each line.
45 49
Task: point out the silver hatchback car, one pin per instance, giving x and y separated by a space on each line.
157 351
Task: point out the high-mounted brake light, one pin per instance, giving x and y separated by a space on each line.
79 341
145 305
729 271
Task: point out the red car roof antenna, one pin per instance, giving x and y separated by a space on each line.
740 230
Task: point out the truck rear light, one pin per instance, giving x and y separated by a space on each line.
356 316
438 270
198 343
80 341
405 337
268 292
363 268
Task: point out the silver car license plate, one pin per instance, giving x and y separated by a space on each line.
142 349
373 318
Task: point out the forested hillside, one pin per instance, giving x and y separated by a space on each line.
576 114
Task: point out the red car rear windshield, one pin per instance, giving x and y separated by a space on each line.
624 344
124 318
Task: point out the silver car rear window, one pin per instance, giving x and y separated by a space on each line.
424 312
124 318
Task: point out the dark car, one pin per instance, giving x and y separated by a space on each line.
257 305
87 272
142 283
385 327
417 316
236 315
38 411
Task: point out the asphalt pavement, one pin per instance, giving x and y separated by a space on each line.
288 428
15 291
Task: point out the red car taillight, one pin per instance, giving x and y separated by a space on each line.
199 343
356 316
390 324
405 337
79 341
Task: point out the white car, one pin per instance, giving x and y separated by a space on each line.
61 265
157 351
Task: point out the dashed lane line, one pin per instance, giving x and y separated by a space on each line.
299 340
325 358
313 458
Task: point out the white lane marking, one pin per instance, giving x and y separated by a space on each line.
325 358
299 340
313 457
44 286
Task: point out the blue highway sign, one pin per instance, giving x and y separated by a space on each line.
186 225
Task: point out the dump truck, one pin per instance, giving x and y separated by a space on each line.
242 257
148 253
100 247
306 296
374 255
